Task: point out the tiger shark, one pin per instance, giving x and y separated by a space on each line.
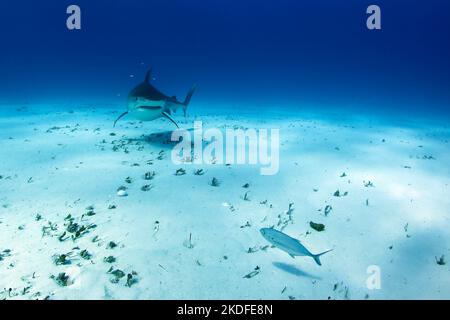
147 103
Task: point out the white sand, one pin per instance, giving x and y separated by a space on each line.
70 168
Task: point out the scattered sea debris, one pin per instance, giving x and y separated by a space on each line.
246 186
199 172
122 191
149 175
90 210
76 230
406 228
284 220
290 210
246 225
180 172
327 209
161 155
5 253
62 279
147 187
188 243
255 272
111 245
368 184
128 180
63 237
441 260
117 274
131 279
229 206
62 259
317 226
337 193
215 182
49 229
109 259
342 290
85 254
246 197
155 228
252 249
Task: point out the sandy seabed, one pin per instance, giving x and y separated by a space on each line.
380 188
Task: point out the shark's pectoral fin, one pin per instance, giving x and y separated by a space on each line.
122 115
165 114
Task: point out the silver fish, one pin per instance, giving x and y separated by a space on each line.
288 244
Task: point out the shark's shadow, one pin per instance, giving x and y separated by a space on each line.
161 139
289 268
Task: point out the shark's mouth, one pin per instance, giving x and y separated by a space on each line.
150 107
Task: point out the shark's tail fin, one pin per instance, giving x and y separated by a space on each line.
316 256
188 99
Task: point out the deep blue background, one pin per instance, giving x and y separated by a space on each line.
289 52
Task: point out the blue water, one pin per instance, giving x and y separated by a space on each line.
287 53
336 92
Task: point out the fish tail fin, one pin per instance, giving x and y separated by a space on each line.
316 256
188 99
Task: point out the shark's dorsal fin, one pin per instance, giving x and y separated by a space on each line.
148 76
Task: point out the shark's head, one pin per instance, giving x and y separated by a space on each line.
145 109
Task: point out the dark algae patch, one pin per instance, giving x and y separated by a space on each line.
317 226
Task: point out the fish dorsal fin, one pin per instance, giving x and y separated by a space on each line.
148 76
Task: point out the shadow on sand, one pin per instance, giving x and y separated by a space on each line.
289 268
161 139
